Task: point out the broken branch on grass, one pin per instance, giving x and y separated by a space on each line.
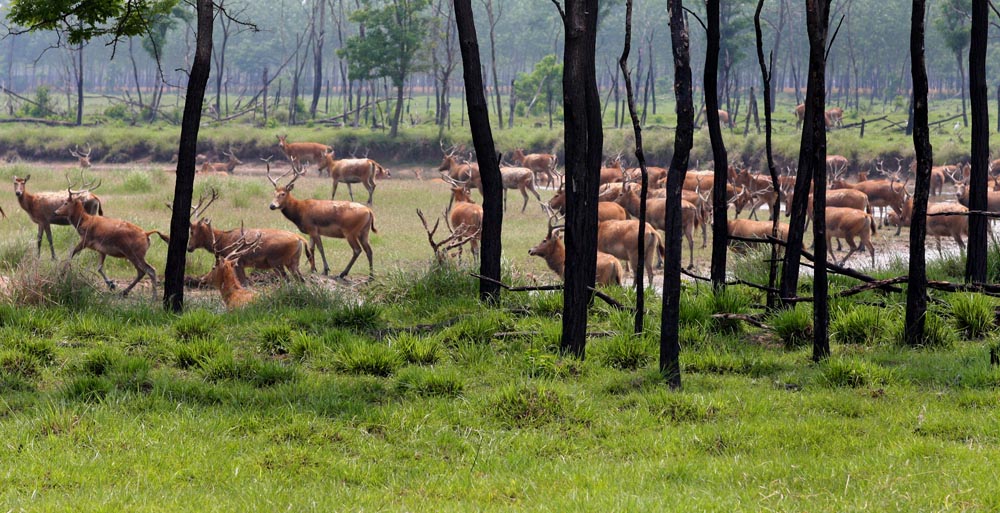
604 297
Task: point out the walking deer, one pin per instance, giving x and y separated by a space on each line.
351 171
542 164
41 208
466 217
303 152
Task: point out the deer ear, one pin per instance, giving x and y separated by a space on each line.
289 187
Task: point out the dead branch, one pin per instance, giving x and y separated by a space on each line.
604 297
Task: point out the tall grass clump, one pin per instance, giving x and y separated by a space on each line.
367 358
478 328
195 353
358 317
299 296
624 351
275 339
793 326
424 382
195 324
729 300
854 372
973 314
528 405
224 367
427 287
35 283
417 350
938 332
861 324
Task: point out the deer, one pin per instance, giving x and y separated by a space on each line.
621 239
848 223
83 157
836 164
453 169
223 168
466 217
109 237
724 119
318 218
881 193
351 171
800 115
947 226
552 250
752 229
656 176
520 178
224 274
606 210
656 214
278 250
612 171
834 117
304 152
41 208
542 164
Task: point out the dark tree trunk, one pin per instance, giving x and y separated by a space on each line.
720 233
817 20
975 265
584 142
916 288
961 84
180 222
775 209
640 291
319 36
482 139
670 347
79 86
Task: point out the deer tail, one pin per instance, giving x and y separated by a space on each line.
373 223
871 222
310 254
166 238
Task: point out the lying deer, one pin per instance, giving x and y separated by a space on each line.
223 275
316 218
109 237
41 208
552 250
275 249
226 168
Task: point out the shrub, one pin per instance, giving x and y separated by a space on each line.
973 314
137 182
528 405
367 358
793 326
428 383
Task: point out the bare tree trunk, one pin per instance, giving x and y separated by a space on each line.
961 88
482 138
319 37
975 265
775 209
916 287
79 85
817 20
584 145
720 234
180 222
494 17
670 347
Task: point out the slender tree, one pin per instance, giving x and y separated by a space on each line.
916 290
584 144
482 138
775 209
720 234
493 14
975 264
954 29
683 141
318 34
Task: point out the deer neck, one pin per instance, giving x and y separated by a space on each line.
556 259
292 210
225 280
230 166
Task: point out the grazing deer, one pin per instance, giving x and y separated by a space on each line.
621 239
881 193
303 152
552 250
109 237
41 208
224 274
466 217
834 117
520 178
351 171
275 249
656 214
224 168
542 164
848 223
318 218
83 157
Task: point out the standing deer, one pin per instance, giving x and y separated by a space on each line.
316 218
303 152
881 193
542 164
848 223
607 210
834 117
41 208
520 178
800 115
656 215
351 171
552 250
621 239
83 157
466 217
109 237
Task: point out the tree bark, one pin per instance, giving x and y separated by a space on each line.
584 142
319 36
79 86
180 222
670 347
720 207
975 265
916 290
482 138
775 209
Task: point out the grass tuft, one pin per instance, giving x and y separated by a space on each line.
529 405
624 351
853 372
793 326
417 350
973 314
861 324
196 324
428 382
367 358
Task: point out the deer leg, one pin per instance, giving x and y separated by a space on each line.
350 191
525 194
356 248
333 195
39 240
52 248
100 270
241 274
316 241
371 191
690 238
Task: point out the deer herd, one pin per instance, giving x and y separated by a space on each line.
851 214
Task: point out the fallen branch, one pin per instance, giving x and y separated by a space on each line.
749 319
604 297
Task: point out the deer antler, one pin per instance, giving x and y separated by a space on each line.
198 209
239 247
87 187
274 181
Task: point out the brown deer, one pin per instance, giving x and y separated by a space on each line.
848 223
612 172
724 119
552 250
656 214
351 171
276 249
466 217
222 168
836 164
465 172
542 164
947 226
800 115
606 210
621 239
752 229
83 157
41 208
109 237
304 152
318 218
881 193
834 117
224 274
520 178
